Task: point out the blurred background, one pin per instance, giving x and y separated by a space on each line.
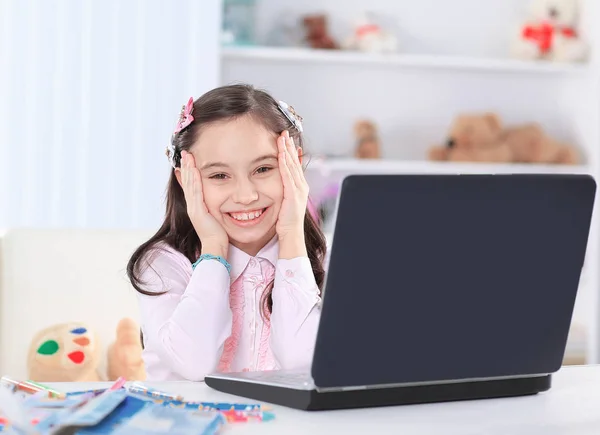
90 91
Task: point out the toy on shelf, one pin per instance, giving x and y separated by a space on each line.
551 33
370 37
71 352
238 22
317 33
482 138
367 140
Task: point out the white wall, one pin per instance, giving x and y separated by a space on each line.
90 92
414 107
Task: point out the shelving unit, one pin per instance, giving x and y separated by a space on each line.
313 57
351 165
413 96
321 172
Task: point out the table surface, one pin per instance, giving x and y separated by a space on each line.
571 406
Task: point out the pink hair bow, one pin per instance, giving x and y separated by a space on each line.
185 117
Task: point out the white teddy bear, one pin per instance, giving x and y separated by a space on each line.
551 33
370 37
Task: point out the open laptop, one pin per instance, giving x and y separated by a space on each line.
439 288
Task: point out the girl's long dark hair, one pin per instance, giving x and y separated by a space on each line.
176 231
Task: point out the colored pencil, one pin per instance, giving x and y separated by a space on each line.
52 392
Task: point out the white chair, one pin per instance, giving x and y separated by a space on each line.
50 276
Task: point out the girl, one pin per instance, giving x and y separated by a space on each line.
232 279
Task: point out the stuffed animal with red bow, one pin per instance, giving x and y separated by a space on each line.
368 36
551 33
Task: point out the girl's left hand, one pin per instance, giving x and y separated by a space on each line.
290 224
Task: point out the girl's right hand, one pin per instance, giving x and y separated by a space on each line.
213 237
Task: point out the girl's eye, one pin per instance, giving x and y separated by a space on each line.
263 169
218 176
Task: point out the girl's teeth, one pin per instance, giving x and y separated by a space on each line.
246 216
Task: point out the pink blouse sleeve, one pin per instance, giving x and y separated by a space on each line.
187 326
296 313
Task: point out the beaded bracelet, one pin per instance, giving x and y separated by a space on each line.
212 257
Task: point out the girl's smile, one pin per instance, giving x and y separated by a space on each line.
248 218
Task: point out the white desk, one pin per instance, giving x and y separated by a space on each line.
571 406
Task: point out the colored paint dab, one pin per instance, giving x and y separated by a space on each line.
78 331
49 347
82 341
77 357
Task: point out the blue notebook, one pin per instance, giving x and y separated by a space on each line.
172 421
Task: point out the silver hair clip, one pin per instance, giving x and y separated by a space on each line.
170 152
291 114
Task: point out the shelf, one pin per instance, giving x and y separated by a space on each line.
307 55
357 166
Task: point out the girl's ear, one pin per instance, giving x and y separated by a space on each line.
178 176
300 155
178 169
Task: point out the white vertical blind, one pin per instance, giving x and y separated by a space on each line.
5 55
89 94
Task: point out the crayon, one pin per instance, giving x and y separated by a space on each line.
51 392
233 416
178 401
211 406
119 383
138 388
21 386
224 406
93 392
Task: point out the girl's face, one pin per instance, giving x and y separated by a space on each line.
241 182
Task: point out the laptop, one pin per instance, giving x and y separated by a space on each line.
440 288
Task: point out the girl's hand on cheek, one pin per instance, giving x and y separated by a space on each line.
213 237
290 224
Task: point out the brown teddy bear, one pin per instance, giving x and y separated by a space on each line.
367 140
317 35
482 138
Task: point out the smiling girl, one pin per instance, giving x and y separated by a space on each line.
232 279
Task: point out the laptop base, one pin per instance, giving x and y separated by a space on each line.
311 400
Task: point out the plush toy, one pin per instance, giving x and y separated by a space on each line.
125 354
71 352
66 352
551 33
482 138
370 37
367 140
316 32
